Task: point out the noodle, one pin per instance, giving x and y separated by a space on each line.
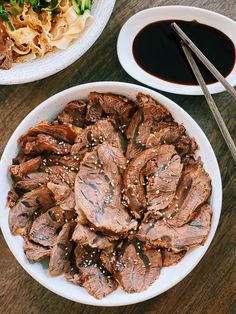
35 34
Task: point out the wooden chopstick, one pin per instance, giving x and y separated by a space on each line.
223 128
204 60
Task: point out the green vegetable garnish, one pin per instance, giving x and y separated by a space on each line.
21 3
54 5
33 2
14 11
81 5
89 4
4 16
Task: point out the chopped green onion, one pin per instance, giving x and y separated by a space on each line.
89 4
76 7
54 5
4 16
14 11
33 2
21 3
83 5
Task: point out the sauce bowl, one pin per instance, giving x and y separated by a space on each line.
138 21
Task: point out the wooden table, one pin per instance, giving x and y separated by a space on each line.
211 286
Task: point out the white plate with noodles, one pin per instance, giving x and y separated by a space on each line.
45 37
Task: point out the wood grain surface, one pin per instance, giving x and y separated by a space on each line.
211 286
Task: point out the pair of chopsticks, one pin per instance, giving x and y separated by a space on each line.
188 47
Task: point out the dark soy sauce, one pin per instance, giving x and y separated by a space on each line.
157 50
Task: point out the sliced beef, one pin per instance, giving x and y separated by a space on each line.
94 277
101 131
85 235
12 197
74 113
20 158
186 145
94 112
63 195
63 133
117 106
68 161
55 174
73 276
173 133
170 258
193 190
159 233
18 172
162 175
159 169
108 257
135 268
35 252
192 161
60 253
45 228
144 122
6 45
166 133
96 282
32 181
98 189
28 207
42 142
58 174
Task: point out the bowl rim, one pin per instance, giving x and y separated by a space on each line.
68 59
132 88
163 85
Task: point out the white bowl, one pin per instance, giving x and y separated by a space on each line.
169 276
58 60
138 21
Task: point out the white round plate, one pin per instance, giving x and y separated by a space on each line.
58 60
138 21
169 276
